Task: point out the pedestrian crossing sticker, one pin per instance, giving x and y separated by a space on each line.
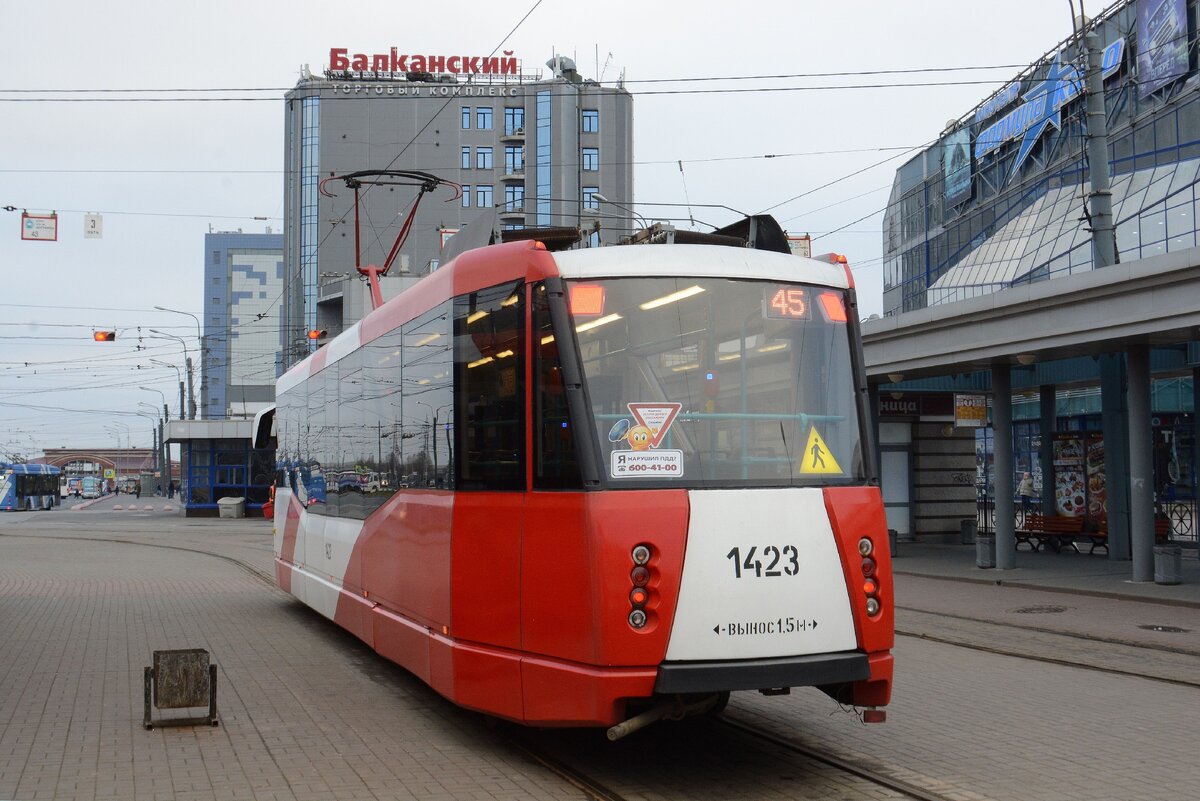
817 459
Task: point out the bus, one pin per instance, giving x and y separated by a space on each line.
89 487
27 487
616 483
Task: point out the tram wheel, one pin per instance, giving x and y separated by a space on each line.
719 706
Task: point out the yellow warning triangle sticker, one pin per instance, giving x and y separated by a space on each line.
816 458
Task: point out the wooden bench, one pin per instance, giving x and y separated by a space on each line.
1099 537
1053 531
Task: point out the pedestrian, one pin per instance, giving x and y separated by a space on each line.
171 490
1025 490
137 490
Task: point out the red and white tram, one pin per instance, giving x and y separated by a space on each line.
598 486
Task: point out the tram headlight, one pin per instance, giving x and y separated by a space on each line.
641 555
872 606
868 566
865 546
637 618
640 576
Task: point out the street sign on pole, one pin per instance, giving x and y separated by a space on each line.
39 227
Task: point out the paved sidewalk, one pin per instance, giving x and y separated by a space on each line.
309 712
1088 574
306 711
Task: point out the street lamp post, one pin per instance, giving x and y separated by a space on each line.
601 198
178 377
188 359
128 433
155 430
199 349
116 433
164 457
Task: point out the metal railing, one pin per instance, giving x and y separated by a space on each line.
1181 514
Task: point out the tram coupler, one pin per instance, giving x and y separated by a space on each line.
675 709
652 715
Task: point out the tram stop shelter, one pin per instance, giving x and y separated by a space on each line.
1115 328
219 461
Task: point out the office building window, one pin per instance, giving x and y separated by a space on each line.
514 120
466 196
589 197
483 158
591 121
483 196
216 257
591 159
483 119
466 118
514 198
514 159
466 158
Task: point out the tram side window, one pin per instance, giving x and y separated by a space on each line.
555 465
315 436
427 405
381 377
351 457
489 402
288 413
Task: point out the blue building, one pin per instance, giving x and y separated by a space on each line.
1000 199
242 349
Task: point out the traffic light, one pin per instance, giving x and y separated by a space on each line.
104 336
317 333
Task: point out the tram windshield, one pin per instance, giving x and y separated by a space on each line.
713 382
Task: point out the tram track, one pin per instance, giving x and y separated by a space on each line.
1175 667
865 772
598 789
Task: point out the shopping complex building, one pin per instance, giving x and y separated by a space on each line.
993 295
528 148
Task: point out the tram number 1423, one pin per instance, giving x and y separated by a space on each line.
755 568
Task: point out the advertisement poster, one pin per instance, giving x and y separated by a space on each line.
956 166
970 411
1097 497
1162 43
1070 479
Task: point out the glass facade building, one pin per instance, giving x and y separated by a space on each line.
1001 198
242 349
515 143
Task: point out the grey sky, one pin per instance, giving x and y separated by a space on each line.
161 173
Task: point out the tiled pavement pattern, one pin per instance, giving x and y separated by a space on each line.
301 716
308 713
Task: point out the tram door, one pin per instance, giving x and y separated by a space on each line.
895 445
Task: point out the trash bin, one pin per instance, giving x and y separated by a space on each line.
985 550
969 529
892 537
231 507
1168 564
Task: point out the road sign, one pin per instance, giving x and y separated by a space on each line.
39 227
93 226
